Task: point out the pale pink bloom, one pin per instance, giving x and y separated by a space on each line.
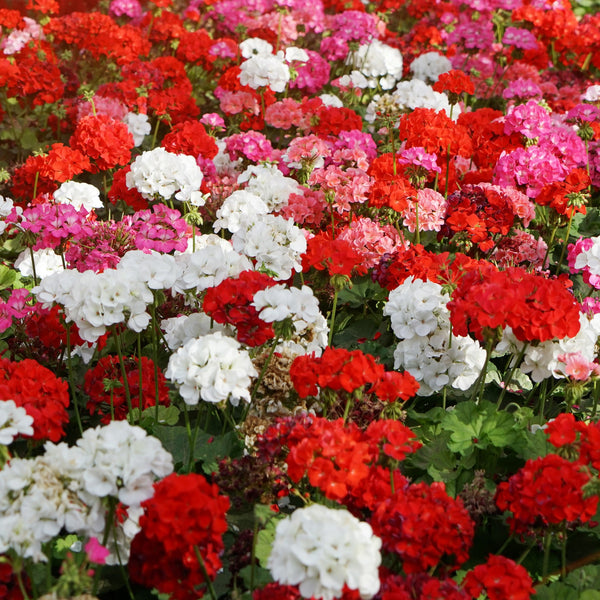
213 120
577 367
284 114
351 157
309 150
103 105
431 211
371 240
233 103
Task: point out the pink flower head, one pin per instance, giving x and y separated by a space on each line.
128 8
531 120
432 211
519 38
96 552
213 120
419 157
590 306
522 89
577 367
251 145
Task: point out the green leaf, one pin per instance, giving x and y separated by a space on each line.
588 225
260 578
267 520
7 277
211 449
28 140
361 292
63 545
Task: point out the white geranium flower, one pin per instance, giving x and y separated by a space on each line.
14 421
323 549
255 46
138 126
212 367
165 174
429 66
78 195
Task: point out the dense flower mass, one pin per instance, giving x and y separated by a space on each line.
299 299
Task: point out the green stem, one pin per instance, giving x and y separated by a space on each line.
546 563
542 402
526 552
332 320
480 384
21 584
140 374
349 403
548 248
117 335
508 377
563 552
35 279
107 527
595 399
155 358
188 429
417 231
70 378
506 543
566 242
209 585
193 442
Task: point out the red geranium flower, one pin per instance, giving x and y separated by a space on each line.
185 516
44 396
501 578
105 387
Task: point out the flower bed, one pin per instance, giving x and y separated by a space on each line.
299 299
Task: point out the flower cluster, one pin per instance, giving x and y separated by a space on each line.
212 367
180 541
323 550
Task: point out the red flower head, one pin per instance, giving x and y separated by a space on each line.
104 140
231 302
454 82
546 491
44 396
501 578
185 518
425 527
106 390
536 308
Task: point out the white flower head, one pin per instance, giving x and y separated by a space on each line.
239 204
138 126
262 70
212 367
14 421
165 174
255 46
429 66
375 64
322 549
78 195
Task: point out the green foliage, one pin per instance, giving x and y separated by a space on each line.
580 584
471 436
208 449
